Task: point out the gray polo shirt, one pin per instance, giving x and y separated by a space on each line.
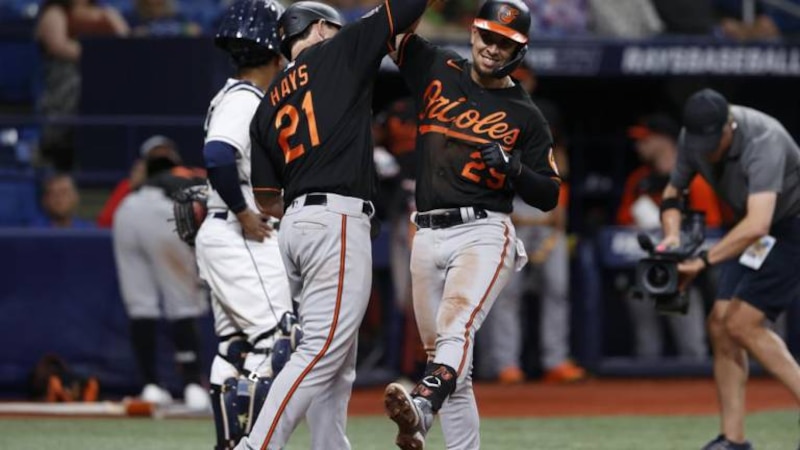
763 158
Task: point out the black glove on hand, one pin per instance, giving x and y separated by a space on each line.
495 157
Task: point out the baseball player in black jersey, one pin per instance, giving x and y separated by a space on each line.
481 140
312 138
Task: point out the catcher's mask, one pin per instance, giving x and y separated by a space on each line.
249 32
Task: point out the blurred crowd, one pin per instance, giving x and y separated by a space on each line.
727 19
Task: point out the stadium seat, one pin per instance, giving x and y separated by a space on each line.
18 197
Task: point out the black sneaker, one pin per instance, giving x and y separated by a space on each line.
720 443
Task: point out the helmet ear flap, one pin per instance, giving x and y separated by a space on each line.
512 64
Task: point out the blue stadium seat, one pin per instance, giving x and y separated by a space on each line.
19 77
18 197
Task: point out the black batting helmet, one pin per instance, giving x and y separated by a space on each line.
299 16
511 19
249 31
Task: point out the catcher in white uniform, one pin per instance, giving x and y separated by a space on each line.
237 250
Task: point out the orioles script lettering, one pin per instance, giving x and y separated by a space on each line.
446 111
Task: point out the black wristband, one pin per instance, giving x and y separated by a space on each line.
703 255
670 203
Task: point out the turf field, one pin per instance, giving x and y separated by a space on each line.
767 430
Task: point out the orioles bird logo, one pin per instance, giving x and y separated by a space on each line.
507 14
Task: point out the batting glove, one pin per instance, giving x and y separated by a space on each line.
495 157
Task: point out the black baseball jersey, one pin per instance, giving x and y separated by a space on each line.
312 131
457 115
399 124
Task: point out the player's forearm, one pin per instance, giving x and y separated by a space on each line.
757 223
270 203
224 175
413 27
225 180
735 241
537 190
406 12
671 217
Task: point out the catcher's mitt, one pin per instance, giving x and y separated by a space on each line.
189 208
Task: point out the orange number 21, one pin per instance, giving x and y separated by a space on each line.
291 153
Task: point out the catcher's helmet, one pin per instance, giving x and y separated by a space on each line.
249 31
299 16
509 18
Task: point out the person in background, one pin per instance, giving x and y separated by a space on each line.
753 163
158 274
736 22
655 139
60 200
559 17
544 236
686 16
631 19
396 130
156 146
161 18
58 27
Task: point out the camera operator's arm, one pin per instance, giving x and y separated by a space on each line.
670 218
757 222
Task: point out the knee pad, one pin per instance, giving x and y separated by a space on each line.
281 352
226 407
287 322
290 327
234 349
290 337
296 337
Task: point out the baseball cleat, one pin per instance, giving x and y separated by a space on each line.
721 443
413 416
716 441
153 393
196 398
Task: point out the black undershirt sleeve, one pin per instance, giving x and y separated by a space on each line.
539 191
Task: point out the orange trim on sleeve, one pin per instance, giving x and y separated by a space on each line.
483 300
255 189
391 25
401 51
321 354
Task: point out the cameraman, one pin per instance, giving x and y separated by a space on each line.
656 142
753 163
